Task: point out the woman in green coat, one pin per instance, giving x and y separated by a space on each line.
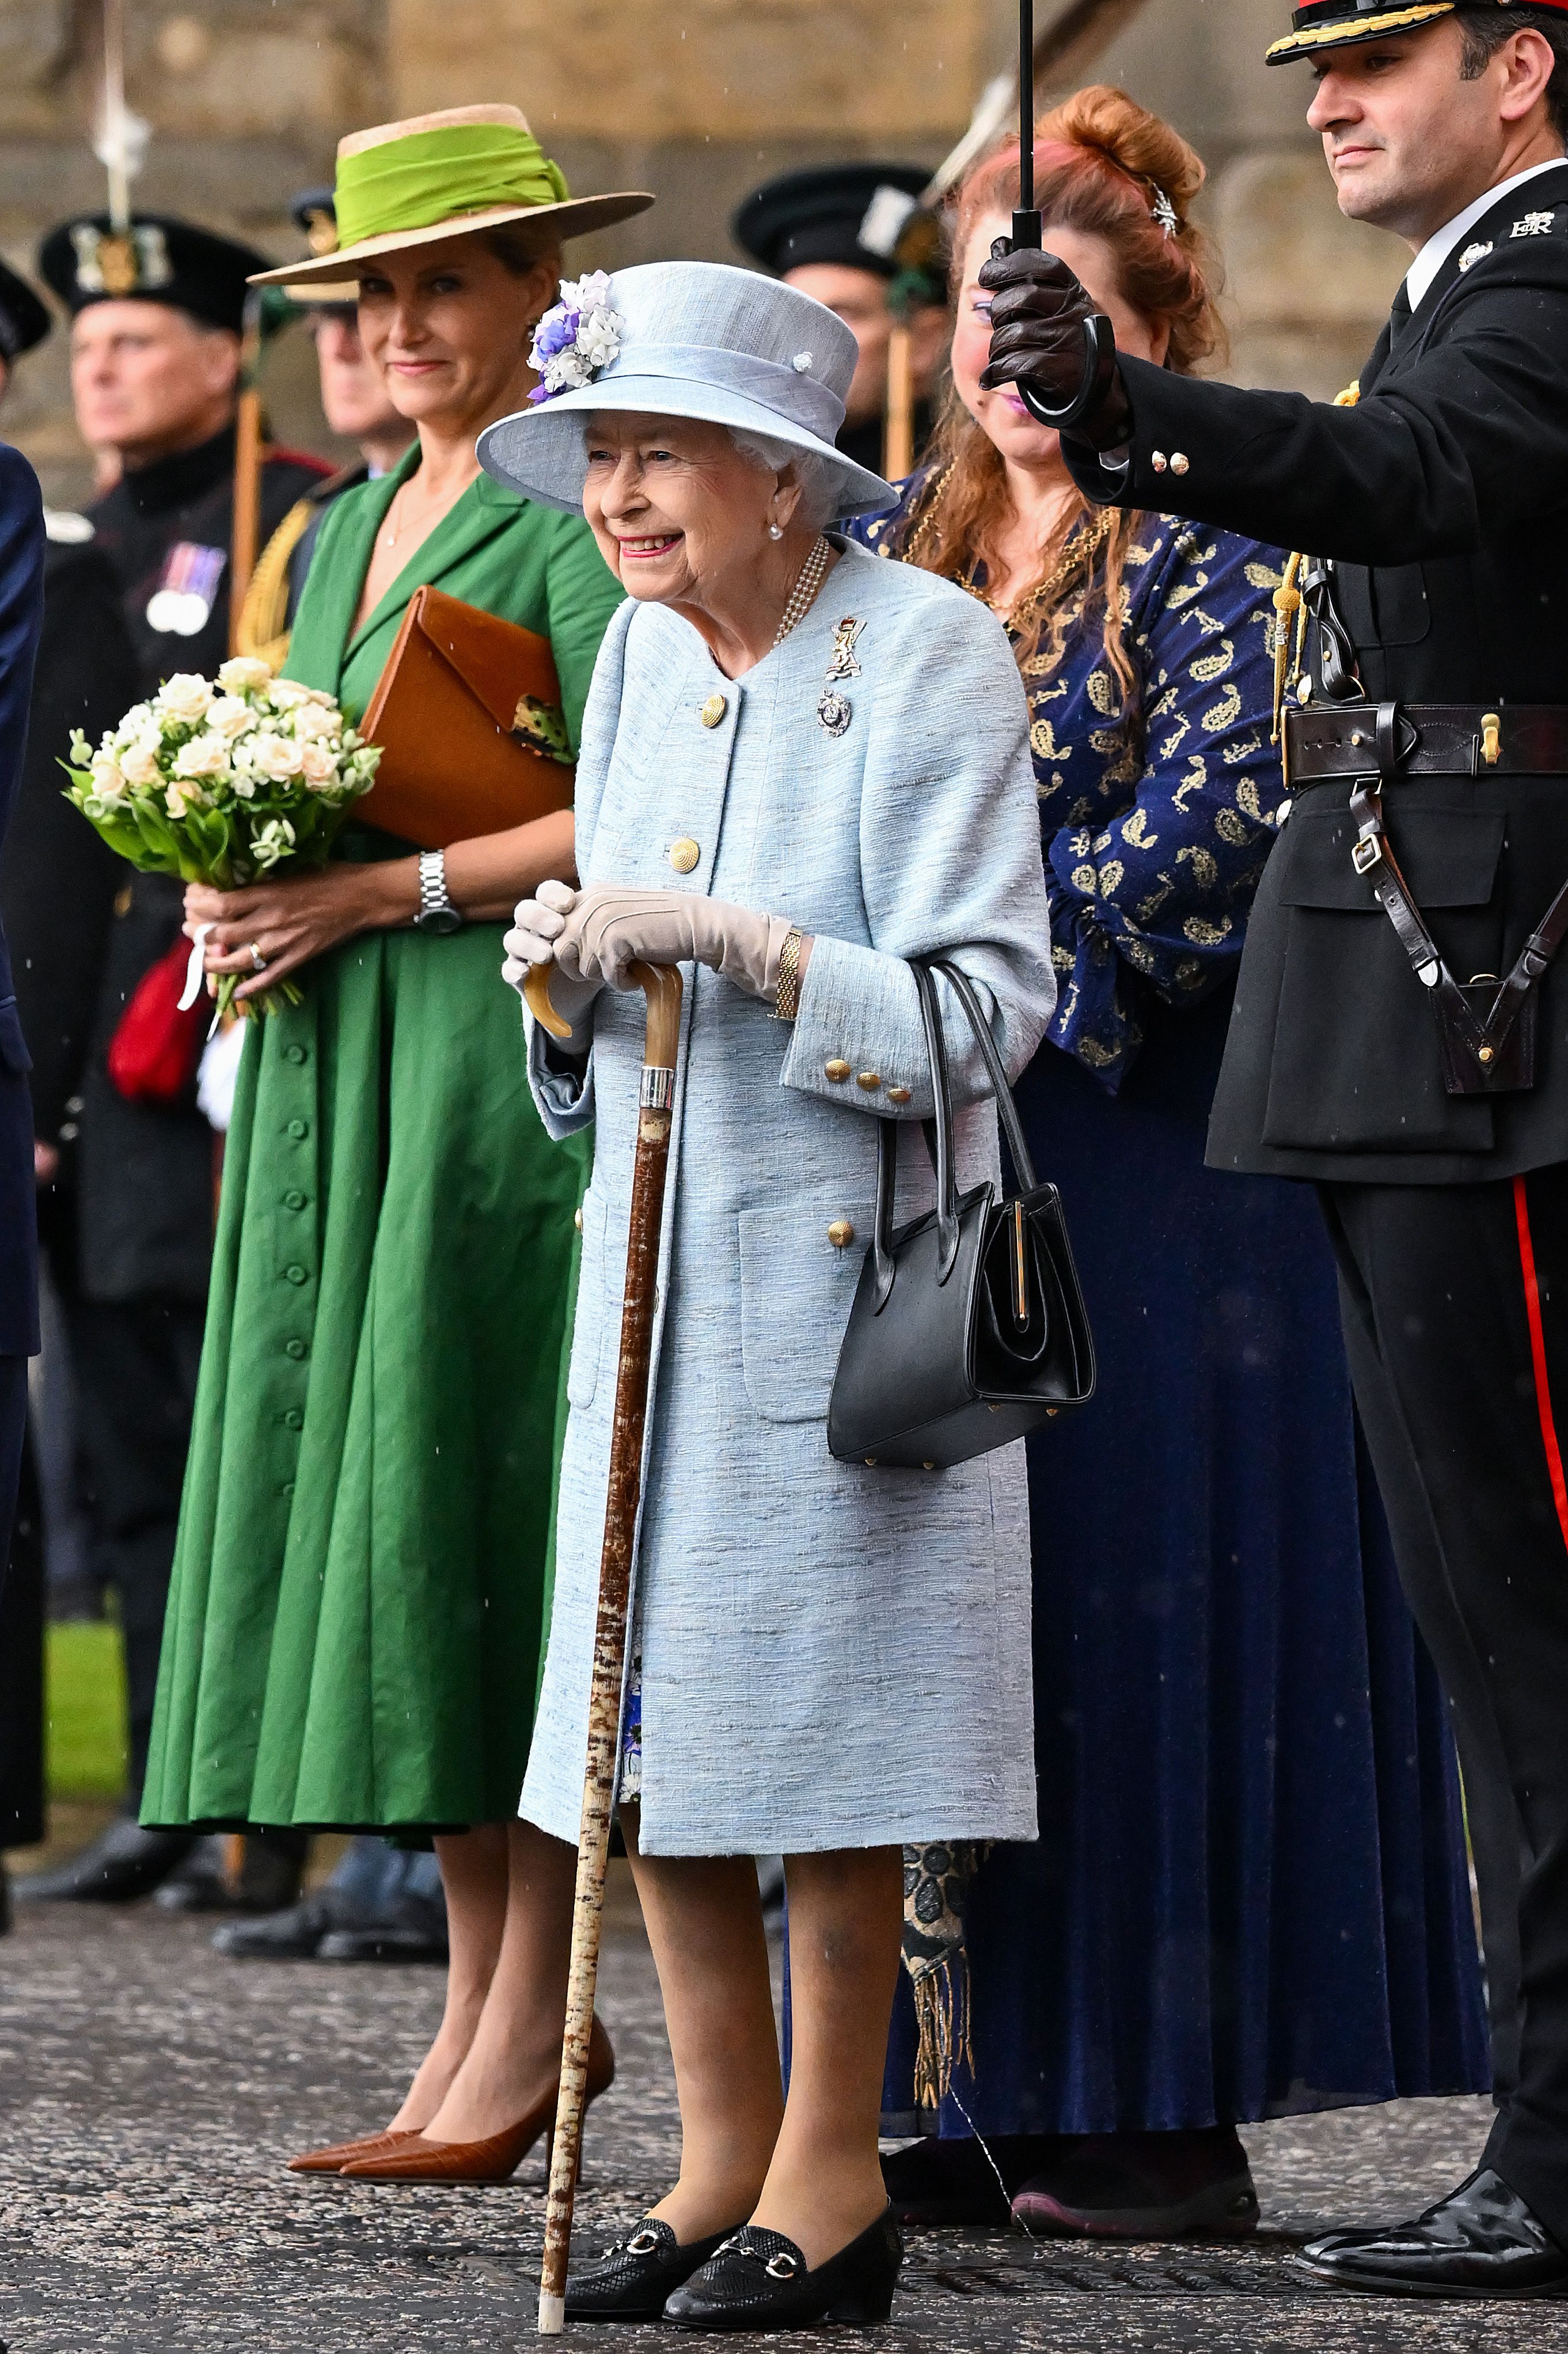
358 1606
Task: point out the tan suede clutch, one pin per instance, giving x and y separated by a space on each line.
468 712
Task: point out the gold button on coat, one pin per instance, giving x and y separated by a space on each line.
577 1219
1159 460
1180 461
841 1234
836 1068
713 710
683 854
869 1080
898 1095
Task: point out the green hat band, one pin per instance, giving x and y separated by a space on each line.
433 175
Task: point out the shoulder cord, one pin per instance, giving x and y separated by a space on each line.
264 616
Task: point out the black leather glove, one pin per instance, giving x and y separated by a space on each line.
1047 338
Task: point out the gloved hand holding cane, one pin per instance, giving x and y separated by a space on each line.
592 938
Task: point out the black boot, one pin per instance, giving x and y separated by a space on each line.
121 1863
1481 2241
271 1864
944 2182
760 2280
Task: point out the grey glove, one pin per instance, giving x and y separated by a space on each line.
613 927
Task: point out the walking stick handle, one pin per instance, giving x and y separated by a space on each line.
661 985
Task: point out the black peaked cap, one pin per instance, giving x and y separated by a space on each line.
158 258
24 320
815 216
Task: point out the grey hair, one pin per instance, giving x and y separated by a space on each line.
822 485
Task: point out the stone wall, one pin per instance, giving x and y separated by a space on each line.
696 100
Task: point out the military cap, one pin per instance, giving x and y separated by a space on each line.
314 214
1321 25
156 259
24 320
853 215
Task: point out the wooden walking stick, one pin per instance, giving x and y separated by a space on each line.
661 986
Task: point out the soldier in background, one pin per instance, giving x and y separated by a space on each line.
57 882
156 314
838 232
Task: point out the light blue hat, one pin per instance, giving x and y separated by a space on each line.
681 339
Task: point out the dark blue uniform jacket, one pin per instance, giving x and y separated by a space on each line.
21 612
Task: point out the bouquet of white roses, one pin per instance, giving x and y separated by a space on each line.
220 782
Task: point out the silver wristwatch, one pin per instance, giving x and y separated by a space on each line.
437 913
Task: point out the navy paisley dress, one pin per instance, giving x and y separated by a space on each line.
1249 1894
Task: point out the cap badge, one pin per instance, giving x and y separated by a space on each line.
320 230
1532 225
1473 253
119 261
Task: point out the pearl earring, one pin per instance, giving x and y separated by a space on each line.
774 532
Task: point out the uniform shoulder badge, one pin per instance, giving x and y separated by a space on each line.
66 527
1533 225
1474 253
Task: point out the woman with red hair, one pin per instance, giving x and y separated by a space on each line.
1249 1896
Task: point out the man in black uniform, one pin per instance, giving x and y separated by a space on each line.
156 315
58 882
850 235
1401 1027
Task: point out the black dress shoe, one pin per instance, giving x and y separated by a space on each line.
759 2280
267 1881
122 1863
291 1935
632 2278
1481 2241
330 1925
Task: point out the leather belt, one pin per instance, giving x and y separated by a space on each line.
1486 1027
1434 739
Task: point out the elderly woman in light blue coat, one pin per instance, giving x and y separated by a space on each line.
800 768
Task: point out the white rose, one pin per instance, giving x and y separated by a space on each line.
318 764
287 694
180 798
108 779
139 763
228 716
204 756
312 724
274 756
185 696
245 788
242 674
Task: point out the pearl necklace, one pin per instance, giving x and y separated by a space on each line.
807 581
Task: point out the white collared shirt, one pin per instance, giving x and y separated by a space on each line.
1418 278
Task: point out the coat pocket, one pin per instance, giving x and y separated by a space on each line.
587 1329
1356 1063
796 1287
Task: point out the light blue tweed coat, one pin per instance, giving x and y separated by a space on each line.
831 1656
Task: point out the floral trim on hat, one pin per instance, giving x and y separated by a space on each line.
577 337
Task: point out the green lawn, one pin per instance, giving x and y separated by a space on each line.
86 1703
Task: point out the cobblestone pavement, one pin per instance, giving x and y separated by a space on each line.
149 2092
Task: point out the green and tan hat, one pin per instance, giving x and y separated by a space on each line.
445 174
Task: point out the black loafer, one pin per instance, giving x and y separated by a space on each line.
122 1863
759 2280
632 2278
1481 2241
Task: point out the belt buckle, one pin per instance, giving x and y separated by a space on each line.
1366 853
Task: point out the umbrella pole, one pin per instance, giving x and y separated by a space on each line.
661 986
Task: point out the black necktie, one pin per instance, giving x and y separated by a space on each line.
1399 317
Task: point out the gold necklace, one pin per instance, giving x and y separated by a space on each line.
1079 549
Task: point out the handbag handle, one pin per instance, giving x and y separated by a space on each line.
939 1130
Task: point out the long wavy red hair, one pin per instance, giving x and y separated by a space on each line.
1101 165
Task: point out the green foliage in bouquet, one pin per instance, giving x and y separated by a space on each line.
218 783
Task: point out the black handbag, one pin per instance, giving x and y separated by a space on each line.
968 1327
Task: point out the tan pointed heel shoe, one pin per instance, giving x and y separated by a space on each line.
496 2159
334 2158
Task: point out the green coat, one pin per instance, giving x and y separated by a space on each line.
358 1604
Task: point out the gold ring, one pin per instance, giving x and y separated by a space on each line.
258 960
